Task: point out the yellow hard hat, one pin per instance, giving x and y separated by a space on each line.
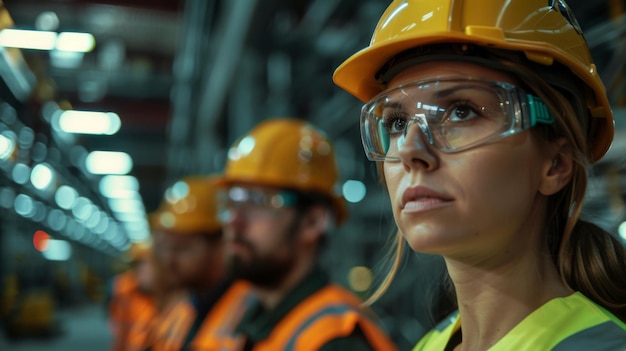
286 153
545 31
189 207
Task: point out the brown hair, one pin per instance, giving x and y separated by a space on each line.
588 258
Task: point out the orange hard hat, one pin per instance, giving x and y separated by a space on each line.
189 207
286 153
544 31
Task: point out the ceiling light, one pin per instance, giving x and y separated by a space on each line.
28 39
76 42
7 144
117 186
65 197
57 250
86 122
46 40
41 176
108 162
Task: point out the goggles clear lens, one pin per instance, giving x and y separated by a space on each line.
453 114
253 203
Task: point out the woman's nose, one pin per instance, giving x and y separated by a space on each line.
415 149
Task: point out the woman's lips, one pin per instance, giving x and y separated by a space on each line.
421 198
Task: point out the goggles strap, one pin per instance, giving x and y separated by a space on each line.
539 112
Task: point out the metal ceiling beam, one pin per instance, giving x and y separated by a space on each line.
231 33
195 17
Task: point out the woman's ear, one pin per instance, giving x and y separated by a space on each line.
558 168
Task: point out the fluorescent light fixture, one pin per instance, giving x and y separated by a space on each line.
138 236
46 40
136 226
41 211
86 122
82 209
123 194
130 217
57 250
56 219
76 42
7 144
111 185
622 231
102 225
28 39
24 205
65 197
126 205
41 176
108 162
94 218
20 173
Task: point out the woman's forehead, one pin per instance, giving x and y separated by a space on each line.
433 69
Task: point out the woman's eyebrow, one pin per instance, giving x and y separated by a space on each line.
449 91
393 104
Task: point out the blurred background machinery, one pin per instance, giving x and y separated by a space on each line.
170 84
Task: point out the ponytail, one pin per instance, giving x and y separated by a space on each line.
594 263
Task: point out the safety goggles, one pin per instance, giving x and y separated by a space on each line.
453 114
253 203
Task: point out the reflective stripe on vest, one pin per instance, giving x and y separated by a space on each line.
131 314
216 332
330 313
171 329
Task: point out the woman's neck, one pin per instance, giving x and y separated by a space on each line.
497 294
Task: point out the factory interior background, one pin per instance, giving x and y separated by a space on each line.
181 80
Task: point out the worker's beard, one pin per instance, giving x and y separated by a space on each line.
263 272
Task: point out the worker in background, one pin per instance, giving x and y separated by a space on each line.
277 206
130 304
191 249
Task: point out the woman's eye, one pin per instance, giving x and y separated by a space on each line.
462 112
394 123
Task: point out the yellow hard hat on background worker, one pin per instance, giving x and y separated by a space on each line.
188 207
286 153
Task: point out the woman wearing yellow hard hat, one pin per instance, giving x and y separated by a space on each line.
484 116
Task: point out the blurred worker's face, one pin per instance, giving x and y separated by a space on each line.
261 241
192 261
144 269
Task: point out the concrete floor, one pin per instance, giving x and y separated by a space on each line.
79 328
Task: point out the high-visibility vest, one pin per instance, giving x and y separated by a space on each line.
330 313
568 323
131 314
219 323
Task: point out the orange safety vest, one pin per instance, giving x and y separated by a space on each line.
131 314
218 324
328 314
